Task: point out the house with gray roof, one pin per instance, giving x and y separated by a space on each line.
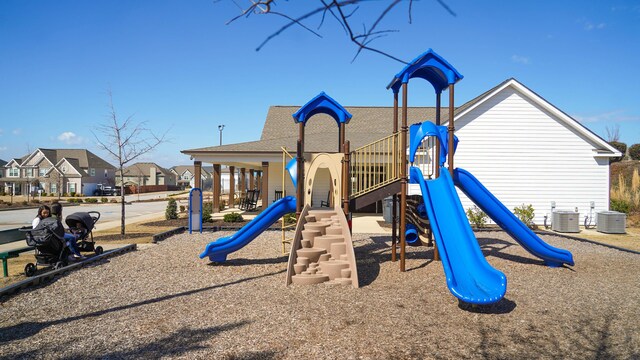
523 148
146 174
57 172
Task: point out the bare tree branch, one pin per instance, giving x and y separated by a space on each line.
338 10
125 141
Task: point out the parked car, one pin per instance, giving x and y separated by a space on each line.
104 190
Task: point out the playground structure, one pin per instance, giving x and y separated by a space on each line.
321 249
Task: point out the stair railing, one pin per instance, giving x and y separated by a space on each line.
375 165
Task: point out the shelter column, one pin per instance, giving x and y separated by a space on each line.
197 173
300 163
217 182
232 185
438 122
265 184
243 179
251 181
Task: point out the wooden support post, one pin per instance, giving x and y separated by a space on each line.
346 178
394 238
217 181
300 160
197 174
451 129
265 185
243 179
403 178
436 171
232 186
251 180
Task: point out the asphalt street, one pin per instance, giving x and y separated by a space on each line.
109 213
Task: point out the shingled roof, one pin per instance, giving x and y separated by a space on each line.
368 124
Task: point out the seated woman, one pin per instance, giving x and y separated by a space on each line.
70 239
43 212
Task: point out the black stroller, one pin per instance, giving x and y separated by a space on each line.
48 240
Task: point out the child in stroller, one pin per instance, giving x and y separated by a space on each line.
48 239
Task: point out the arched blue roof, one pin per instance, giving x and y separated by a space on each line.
429 66
419 131
322 104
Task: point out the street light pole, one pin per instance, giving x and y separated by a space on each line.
220 128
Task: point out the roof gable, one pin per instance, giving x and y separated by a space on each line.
604 148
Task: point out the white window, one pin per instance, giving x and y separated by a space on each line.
14 172
106 174
92 171
72 187
29 172
54 188
43 171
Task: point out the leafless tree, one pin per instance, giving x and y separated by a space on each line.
125 141
613 133
341 11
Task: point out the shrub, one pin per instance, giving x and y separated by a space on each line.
526 214
206 211
44 193
79 201
233 217
24 203
222 205
172 210
71 200
113 201
91 200
620 205
35 201
104 200
622 147
477 217
73 194
182 208
290 219
634 152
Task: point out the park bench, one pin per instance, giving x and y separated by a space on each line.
10 236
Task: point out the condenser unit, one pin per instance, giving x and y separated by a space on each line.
566 221
611 222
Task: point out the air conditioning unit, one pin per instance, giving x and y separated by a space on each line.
565 221
611 222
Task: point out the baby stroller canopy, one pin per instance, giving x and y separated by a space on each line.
83 218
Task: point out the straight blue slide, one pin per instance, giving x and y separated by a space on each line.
485 200
470 277
218 250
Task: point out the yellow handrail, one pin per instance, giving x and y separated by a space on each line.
375 165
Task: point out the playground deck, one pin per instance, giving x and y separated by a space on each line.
162 302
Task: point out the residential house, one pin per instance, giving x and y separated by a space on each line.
57 171
185 176
523 148
147 176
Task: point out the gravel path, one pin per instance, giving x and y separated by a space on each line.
165 302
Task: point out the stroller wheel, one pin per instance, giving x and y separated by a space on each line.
30 269
99 250
59 265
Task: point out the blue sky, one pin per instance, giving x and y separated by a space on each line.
177 66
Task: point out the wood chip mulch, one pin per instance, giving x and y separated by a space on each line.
165 302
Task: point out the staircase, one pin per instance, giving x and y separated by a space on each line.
324 251
375 169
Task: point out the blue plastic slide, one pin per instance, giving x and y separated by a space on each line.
470 278
218 250
552 256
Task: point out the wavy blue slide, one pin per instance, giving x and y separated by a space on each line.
218 250
470 278
472 187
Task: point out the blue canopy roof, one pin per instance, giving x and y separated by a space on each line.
322 104
429 66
